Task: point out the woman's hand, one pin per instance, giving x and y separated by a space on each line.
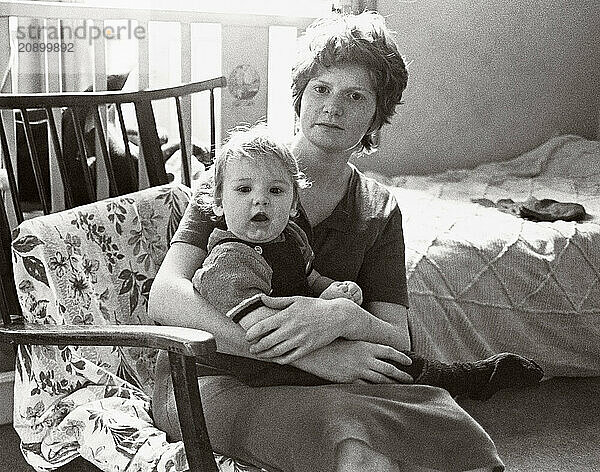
302 326
256 315
345 361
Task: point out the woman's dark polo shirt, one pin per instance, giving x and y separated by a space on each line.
361 240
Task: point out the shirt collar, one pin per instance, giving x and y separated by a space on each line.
343 216
219 234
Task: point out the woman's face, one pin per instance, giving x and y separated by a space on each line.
338 107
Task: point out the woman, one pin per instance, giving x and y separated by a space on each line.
346 85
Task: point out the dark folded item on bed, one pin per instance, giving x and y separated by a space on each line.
551 210
545 209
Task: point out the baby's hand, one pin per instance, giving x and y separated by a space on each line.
347 289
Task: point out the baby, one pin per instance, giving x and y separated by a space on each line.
256 191
262 251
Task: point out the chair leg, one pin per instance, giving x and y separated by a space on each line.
191 417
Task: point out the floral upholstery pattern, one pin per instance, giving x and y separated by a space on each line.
94 265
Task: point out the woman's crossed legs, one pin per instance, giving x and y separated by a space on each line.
333 427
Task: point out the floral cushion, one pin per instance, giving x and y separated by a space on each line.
94 265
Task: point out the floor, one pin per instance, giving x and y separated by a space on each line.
11 459
554 427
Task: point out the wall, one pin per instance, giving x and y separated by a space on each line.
7 363
489 80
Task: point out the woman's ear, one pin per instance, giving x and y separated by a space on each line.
217 210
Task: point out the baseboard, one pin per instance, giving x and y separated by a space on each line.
6 397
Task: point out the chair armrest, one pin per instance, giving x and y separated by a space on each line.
185 345
184 341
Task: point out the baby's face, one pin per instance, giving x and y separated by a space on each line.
257 198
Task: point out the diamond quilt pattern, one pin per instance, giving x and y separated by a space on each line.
482 281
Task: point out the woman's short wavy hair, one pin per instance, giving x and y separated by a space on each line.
251 143
362 40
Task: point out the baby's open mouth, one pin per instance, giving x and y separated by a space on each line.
259 217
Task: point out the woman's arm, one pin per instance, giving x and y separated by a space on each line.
174 302
345 361
307 324
397 317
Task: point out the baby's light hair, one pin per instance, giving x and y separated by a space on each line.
253 142
362 40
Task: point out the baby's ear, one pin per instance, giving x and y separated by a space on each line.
372 127
217 210
293 211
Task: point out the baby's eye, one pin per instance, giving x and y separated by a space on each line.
243 189
356 96
276 190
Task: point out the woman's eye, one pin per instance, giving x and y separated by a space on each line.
320 89
356 96
243 189
276 190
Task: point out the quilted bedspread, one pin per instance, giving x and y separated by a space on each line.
482 281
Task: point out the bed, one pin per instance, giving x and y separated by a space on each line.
483 281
